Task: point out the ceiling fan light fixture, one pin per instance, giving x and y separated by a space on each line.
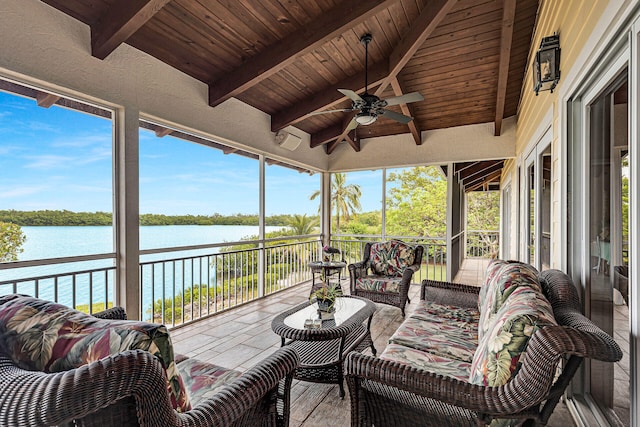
366 118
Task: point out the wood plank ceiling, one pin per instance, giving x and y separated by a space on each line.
288 57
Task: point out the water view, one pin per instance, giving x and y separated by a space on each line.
55 242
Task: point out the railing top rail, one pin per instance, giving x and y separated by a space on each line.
61 260
52 276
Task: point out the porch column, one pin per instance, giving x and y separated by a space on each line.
127 215
325 207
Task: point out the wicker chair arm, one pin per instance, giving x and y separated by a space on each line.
450 293
358 269
41 399
113 313
232 401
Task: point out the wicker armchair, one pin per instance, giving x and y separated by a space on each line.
130 389
385 279
385 392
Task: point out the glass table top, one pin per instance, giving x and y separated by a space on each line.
345 308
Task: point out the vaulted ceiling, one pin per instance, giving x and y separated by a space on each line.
288 57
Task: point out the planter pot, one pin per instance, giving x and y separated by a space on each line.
325 305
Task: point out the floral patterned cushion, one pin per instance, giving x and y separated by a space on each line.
378 283
497 356
203 379
503 278
462 317
44 336
390 258
429 362
441 339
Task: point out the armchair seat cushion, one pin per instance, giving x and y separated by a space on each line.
379 284
202 380
441 339
427 361
44 336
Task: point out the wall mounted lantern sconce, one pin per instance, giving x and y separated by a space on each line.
546 65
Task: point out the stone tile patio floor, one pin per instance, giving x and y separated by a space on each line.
241 337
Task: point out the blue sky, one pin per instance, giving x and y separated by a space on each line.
58 159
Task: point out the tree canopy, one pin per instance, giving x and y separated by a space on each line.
417 202
11 240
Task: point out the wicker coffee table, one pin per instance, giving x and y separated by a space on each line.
322 350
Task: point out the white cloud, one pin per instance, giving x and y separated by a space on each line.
22 191
49 162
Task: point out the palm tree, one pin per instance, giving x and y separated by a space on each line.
344 197
303 224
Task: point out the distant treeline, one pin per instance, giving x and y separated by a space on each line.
64 217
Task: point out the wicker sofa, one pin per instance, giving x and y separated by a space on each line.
471 356
62 367
385 272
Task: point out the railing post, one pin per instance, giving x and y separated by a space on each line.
261 232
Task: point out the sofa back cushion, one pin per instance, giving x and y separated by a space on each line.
498 353
503 277
44 336
391 258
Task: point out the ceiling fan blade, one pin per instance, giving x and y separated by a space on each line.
396 116
352 125
351 95
405 99
341 110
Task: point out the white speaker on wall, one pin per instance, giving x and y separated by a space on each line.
287 141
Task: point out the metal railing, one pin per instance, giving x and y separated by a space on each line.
482 243
83 283
181 290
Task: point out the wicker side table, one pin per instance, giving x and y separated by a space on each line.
322 350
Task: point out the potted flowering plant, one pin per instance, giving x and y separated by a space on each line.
326 296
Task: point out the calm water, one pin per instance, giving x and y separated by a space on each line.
54 242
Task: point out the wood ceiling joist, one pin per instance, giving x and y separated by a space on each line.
46 100
273 59
327 97
430 17
476 168
124 18
407 111
508 16
488 179
483 173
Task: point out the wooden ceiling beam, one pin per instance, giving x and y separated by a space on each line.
508 18
328 97
162 131
46 100
331 146
407 110
488 179
420 30
476 168
482 174
329 25
123 19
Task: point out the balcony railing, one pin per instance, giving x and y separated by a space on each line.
183 289
482 243
85 283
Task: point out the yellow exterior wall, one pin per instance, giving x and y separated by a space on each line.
574 21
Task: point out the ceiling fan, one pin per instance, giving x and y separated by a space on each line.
368 106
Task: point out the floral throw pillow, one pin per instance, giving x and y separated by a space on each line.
49 337
498 354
